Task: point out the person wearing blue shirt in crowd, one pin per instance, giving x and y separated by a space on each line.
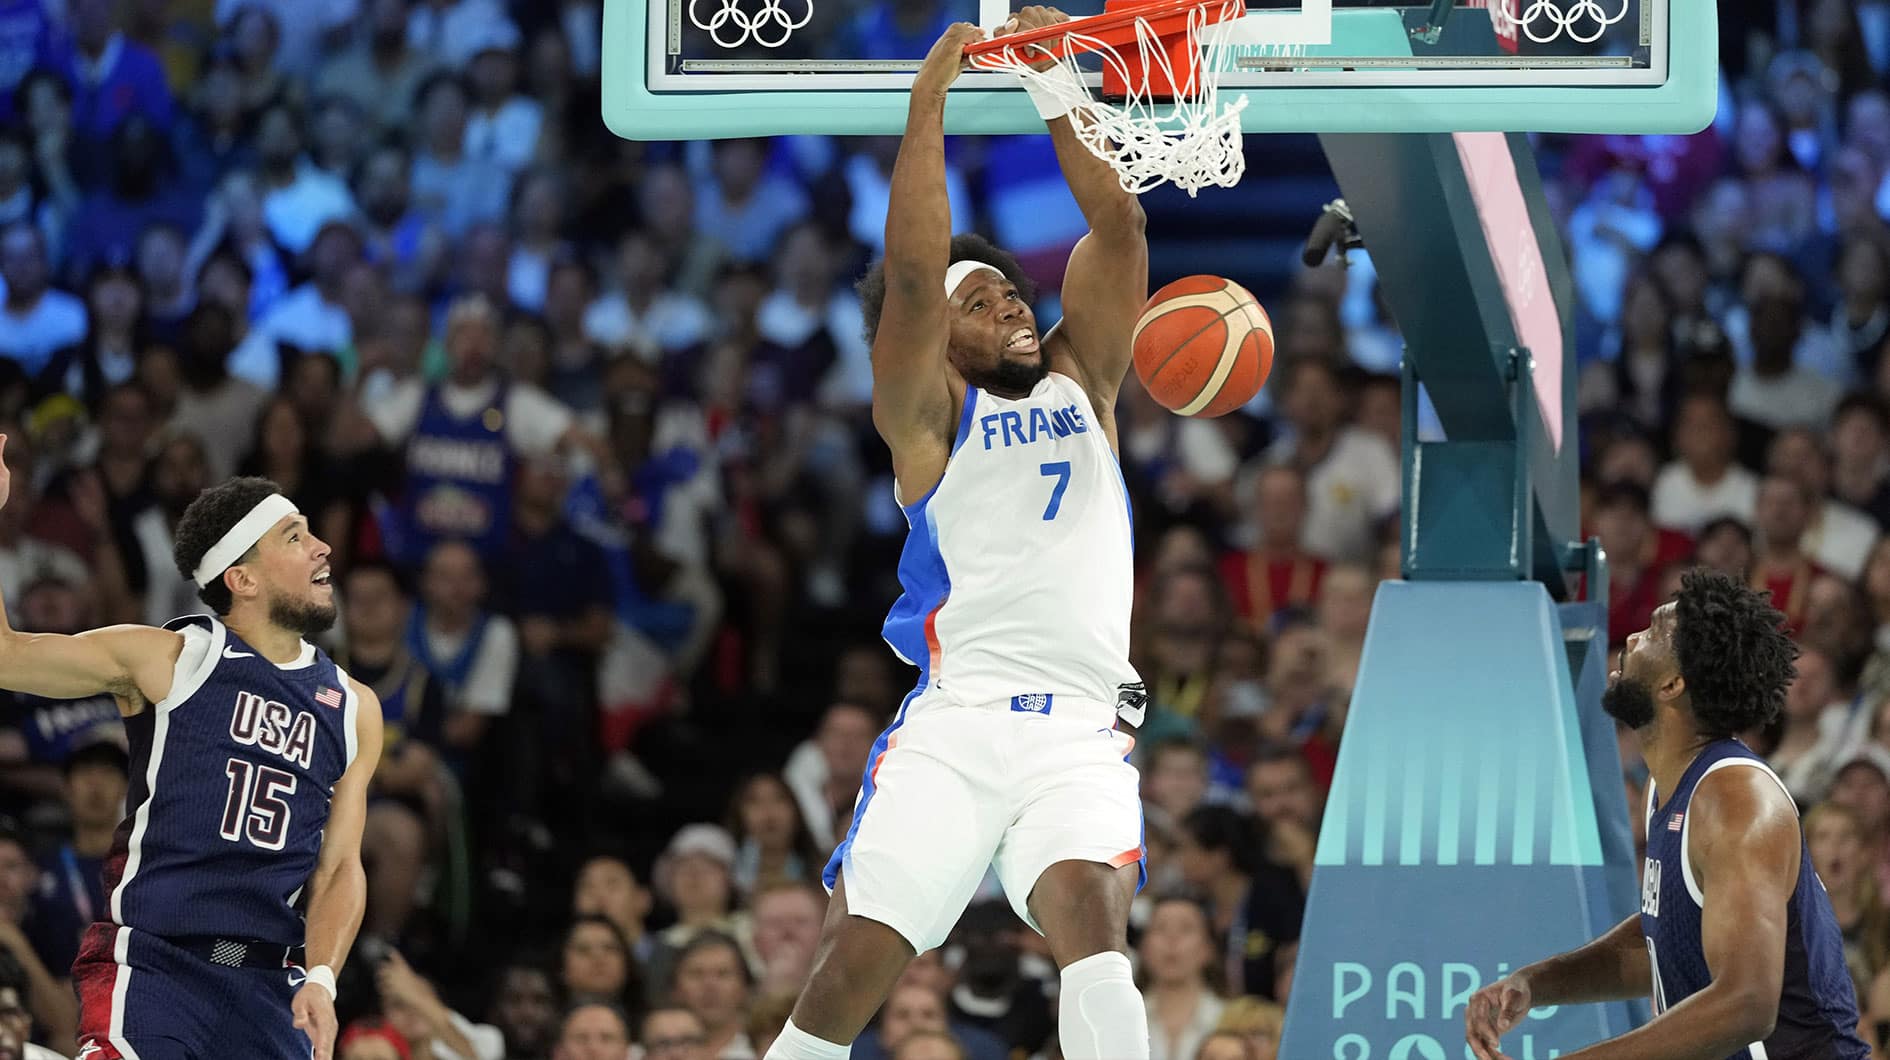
142 193
35 319
71 892
111 76
25 42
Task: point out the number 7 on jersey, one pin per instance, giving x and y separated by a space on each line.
1061 471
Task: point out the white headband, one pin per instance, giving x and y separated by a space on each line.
961 269
247 531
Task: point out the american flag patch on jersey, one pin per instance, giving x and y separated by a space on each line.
1674 822
329 697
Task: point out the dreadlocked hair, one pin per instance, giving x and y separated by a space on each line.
1733 652
204 523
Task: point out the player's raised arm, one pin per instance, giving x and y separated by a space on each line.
1744 851
910 388
133 663
337 892
1106 282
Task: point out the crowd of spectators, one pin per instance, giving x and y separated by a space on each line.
587 425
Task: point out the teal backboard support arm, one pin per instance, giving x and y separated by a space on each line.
1468 513
1506 836
1484 303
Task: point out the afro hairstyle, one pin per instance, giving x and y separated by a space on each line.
1733 652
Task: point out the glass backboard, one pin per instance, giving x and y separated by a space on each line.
714 68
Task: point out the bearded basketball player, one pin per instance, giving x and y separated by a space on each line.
1735 941
234 887
1018 577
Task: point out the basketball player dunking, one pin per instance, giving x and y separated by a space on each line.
1735 942
251 753
1018 583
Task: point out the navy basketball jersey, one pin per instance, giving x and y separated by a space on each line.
459 478
1817 1009
230 781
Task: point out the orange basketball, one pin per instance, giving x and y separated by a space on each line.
1203 346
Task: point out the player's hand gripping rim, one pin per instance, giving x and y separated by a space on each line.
315 1016
1035 17
946 60
1493 1012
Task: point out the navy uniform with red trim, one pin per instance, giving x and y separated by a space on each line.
230 784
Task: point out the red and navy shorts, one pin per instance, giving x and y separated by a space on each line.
143 998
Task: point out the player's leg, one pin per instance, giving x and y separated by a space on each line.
1071 864
1082 908
922 835
855 967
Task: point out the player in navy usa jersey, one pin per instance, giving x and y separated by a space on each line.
234 888
1735 941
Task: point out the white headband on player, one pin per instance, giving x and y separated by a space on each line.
247 531
961 269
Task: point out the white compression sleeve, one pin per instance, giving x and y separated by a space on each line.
796 1044
1100 1013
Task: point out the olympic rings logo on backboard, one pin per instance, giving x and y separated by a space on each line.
771 18
1561 17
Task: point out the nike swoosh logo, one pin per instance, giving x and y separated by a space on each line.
232 653
297 980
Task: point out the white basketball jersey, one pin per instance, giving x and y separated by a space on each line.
1019 566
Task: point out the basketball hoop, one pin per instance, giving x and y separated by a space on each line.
1160 118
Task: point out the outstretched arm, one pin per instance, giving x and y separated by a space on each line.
1105 283
133 663
1744 848
337 891
911 395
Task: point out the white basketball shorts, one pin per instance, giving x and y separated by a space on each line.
951 790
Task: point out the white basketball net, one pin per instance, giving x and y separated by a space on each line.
1192 141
